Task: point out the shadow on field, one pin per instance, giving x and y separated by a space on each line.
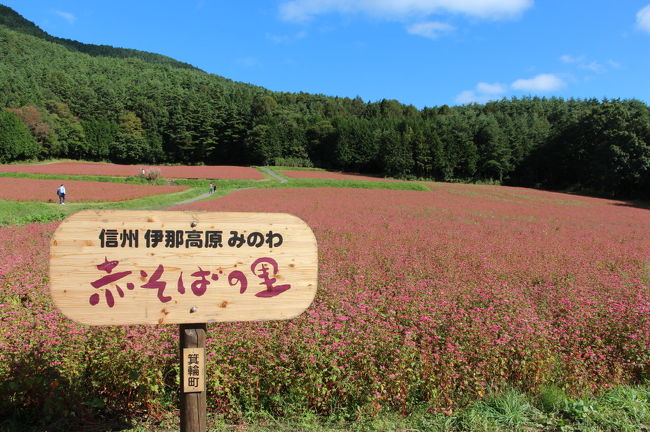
67 425
634 204
38 398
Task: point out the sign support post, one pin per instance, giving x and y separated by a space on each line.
193 404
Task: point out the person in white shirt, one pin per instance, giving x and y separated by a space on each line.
61 193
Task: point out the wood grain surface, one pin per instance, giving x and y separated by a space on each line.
100 276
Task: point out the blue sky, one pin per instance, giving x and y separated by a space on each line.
420 52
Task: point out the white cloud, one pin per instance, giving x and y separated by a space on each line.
66 16
283 39
248 62
591 65
303 10
539 83
429 29
614 64
482 93
487 88
643 19
569 59
467 97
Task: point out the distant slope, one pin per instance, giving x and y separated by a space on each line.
14 21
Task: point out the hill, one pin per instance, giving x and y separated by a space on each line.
14 21
68 99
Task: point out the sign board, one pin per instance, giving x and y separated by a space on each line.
117 267
193 365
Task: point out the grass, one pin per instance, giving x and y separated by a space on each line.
356 184
286 168
44 161
128 180
223 184
20 213
624 409
271 183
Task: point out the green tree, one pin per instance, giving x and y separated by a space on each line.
320 138
100 134
16 142
69 139
130 145
494 153
396 154
262 145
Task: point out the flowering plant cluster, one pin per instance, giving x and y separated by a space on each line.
108 169
24 189
425 299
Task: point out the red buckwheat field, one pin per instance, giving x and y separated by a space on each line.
21 189
432 298
107 169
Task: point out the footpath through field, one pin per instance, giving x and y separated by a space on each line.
197 198
274 174
190 200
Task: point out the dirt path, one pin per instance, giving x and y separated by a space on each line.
197 198
274 175
191 200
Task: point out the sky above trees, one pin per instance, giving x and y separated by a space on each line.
420 52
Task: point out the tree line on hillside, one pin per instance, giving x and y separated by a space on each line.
13 20
58 102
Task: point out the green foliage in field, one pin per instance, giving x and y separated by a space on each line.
277 168
355 184
20 213
621 409
128 180
15 140
230 185
297 162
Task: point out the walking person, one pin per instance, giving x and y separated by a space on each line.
61 193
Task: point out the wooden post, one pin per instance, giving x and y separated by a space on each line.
193 404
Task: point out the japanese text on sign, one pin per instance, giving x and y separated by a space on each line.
113 238
199 285
193 370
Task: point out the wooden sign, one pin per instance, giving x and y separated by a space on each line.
111 267
193 365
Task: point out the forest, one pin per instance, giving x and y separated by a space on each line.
65 99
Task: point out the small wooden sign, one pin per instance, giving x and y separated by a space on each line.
116 267
193 365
